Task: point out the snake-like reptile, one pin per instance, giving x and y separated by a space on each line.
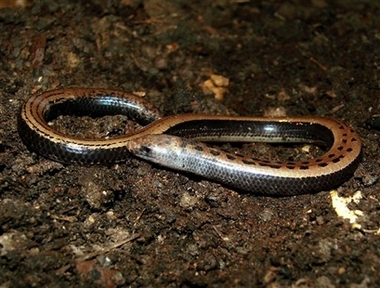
176 141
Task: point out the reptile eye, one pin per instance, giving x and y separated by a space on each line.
145 151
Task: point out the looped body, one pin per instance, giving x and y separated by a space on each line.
176 141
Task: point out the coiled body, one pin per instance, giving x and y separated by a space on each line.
175 141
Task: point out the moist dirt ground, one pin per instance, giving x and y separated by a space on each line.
139 225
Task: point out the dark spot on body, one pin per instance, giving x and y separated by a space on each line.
215 152
168 142
275 166
183 144
198 148
324 164
349 149
230 157
248 162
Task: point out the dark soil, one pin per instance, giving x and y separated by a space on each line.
137 224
